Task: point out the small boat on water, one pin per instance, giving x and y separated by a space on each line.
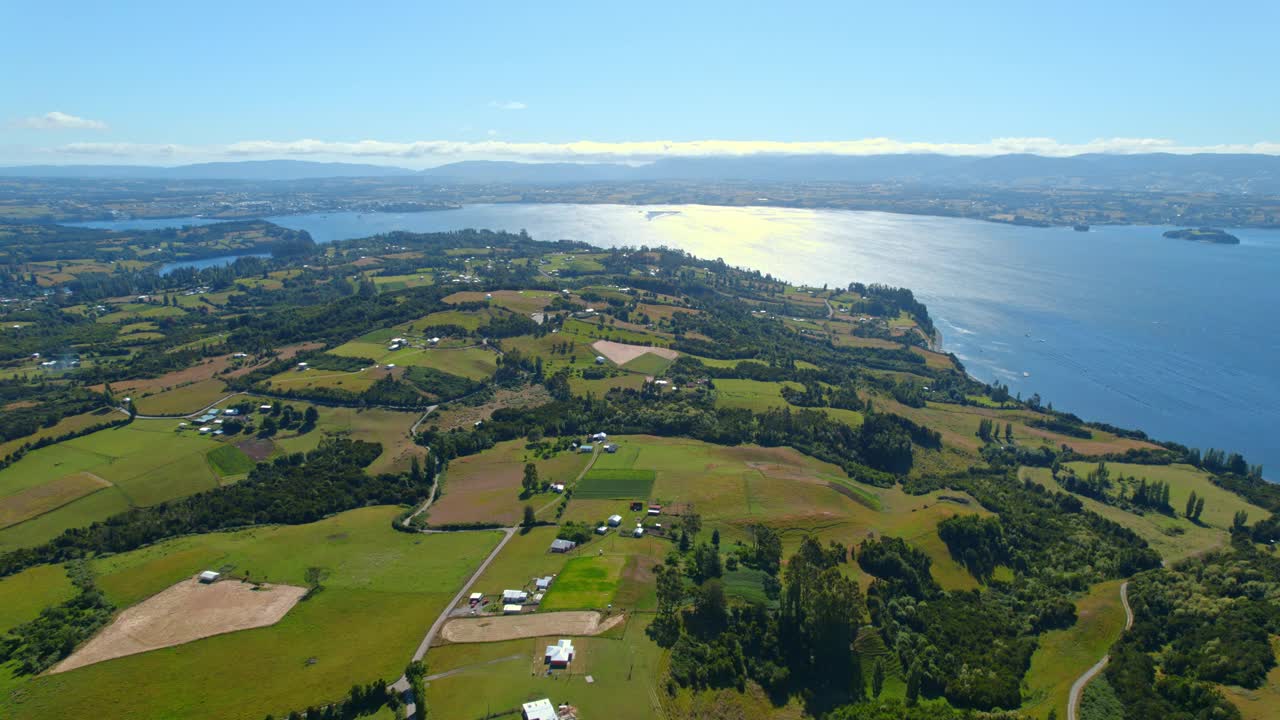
1080 227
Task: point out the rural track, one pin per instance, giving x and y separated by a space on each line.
1077 688
401 686
594 455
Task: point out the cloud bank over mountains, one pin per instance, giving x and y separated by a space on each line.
426 153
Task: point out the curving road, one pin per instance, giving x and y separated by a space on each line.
1077 688
401 686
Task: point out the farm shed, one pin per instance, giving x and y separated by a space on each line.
538 710
512 609
615 520
561 545
514 596
209 576
542 583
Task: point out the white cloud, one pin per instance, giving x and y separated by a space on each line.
434 152
60 121
507 104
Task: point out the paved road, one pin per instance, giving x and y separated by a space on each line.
1077 689
401 686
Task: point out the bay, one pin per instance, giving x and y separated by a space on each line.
1118 324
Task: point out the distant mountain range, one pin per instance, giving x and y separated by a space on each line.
1259 174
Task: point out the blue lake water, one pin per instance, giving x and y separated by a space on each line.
208 262
1117 324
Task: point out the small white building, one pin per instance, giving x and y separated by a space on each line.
476 598
602 530
206 429
542 583
512 609
601 437
209 576
638 532
539 710
599 359
560 545
434 340
264 407
615 520
514 596
560 654
557 487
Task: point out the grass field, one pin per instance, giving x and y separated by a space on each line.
752 395
733 488
228 460
615 483
389 427
182 400
471 362
390 585
1220 506
525 557
521 301
486 487
24 595
586 583
648 364
1174 538
496 677
1064 655
91 477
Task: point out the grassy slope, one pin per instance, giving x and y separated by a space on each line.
389 585
1174 538
1065 655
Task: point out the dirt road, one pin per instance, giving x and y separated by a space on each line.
1077 688
402 685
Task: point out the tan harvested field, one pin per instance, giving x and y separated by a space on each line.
620 354
513 627
185 612
186 376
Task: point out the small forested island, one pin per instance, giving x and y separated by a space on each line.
1204 234
375 462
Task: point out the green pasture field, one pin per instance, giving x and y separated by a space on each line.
615 483
601 387
182 400
1064 655
73 423
144 463
469 319
649 364
388 283
520 301
36 501
1220 506
490 677
24 595
525 557
474 363
357 381
733 488
485 487
389 585
388 427
588 332
753 395
228 460
1174 537
586 583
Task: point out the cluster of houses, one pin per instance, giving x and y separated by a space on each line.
209 422
514 601
589 446
639 531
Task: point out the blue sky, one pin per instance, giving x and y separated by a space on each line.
423 83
